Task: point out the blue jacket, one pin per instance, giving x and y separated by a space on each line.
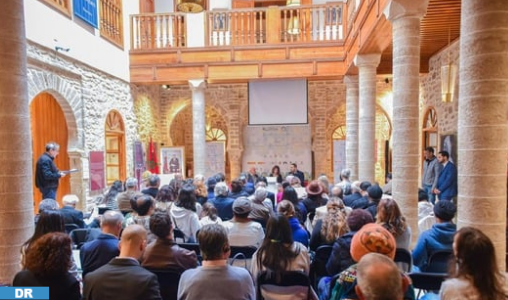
439 237
447 182
340 258
224 206
46 172
98 253
299 234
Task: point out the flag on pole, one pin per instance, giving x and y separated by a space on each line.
153 165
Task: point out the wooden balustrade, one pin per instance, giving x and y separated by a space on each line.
158 31
256 26
111 21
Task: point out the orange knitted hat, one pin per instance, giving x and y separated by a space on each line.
372 238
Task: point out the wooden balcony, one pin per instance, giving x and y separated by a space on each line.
239 45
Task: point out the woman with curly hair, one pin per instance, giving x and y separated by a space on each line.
279 252
331 227
390 217
475 274
47 264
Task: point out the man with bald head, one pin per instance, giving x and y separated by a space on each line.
104 248
123 277
379 278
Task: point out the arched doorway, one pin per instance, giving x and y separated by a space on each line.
47 123
115 147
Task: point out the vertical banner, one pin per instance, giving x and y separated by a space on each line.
339 158
86 10
97 174
139 162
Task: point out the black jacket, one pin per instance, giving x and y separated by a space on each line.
63 287
46 172
72 216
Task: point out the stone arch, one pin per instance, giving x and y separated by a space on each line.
67 96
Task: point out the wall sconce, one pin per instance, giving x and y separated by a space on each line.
166 87
448 75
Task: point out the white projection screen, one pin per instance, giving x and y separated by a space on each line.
278 102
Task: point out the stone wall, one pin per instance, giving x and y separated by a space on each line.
86 96
447 113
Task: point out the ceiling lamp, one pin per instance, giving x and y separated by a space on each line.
190 6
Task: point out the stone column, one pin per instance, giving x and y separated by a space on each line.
352 125
482 131
16 202
367 64
405 16
198 125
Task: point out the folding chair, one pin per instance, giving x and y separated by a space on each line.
168 282
241 252
403 259
292 285
79 236
427 282
70 227
318 265
438 261
193 247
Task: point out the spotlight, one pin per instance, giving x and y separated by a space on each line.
166 86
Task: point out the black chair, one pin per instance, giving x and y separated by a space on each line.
290 283
438 261
241 252
403 259
427 281
79 236
178 236
168 282
70 227
318 265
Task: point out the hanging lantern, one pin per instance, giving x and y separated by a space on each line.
293 3
448 76
190 6
294 25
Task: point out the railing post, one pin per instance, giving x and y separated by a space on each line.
273 24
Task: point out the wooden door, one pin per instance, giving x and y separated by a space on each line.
48 124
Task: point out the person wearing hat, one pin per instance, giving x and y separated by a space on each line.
314 197
375 193
241 230
439 237
371 238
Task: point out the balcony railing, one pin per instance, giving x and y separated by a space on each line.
256 26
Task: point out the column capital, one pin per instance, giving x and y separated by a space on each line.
406 8
351 80
366 60
196 84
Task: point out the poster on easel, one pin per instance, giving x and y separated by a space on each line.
215 158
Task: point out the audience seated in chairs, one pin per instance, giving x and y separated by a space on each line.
241 230
340 257
164 253
49 221
333 226
96 253
362 244
124 199
209 215
184 213
143 207
153 186
215 279
70 213
279 252
299 233
378 275
262 207
123 277
294 285
46 204
222 202
439 237
476 274
47 264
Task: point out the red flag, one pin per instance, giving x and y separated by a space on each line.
153 165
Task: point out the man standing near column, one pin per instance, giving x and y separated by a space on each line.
431 170
446 187
47 174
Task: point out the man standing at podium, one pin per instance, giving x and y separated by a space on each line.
47 174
